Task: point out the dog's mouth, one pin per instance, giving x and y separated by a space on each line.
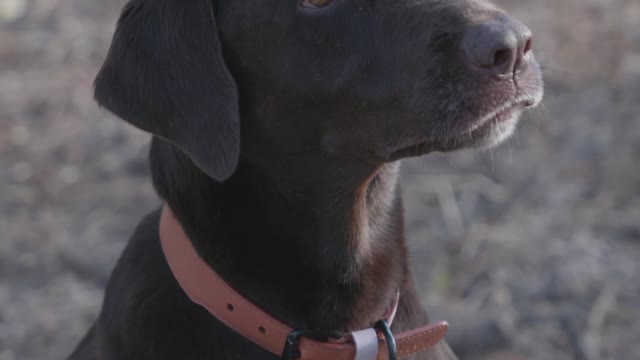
418 149
484 131
508 112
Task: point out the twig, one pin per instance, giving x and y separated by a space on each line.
449 207
597 316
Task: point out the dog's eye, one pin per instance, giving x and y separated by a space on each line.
316 3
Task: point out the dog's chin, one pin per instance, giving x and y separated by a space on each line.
495 127
490 131
480 133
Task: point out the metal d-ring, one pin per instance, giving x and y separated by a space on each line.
291 350
383 326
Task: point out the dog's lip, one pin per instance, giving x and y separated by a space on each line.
413 150
503 112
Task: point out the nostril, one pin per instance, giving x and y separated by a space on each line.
499 47
493 47
527 46
502 57
521 59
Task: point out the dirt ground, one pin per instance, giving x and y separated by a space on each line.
531 251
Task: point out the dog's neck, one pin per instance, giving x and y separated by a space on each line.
338 208
326 234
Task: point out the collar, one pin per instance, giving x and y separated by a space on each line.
204 287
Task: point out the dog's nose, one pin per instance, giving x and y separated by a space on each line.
499 46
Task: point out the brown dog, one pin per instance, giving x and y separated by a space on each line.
277 129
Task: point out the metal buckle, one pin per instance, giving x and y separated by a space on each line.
291 349
383 326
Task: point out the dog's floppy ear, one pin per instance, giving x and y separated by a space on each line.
165 74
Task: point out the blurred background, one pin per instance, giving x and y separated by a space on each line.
531 251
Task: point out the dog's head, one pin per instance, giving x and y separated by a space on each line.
372 80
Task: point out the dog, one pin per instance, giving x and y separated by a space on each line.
277 128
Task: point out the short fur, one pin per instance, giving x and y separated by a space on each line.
276 127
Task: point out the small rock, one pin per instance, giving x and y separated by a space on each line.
7 355
21 172
19 134
11 10
69 174
631 65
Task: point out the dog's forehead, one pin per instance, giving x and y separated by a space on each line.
250 14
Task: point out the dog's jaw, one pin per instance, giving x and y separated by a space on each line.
371 211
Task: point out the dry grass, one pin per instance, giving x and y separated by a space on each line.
530 250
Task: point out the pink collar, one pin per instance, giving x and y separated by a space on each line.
206 288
